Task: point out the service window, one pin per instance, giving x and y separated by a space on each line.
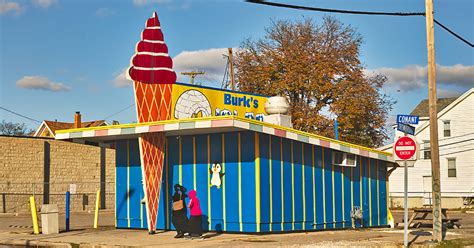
344 159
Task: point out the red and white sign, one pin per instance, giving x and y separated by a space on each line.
404 148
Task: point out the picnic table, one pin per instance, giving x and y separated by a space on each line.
420 215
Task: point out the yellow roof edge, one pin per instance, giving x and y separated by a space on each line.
228 117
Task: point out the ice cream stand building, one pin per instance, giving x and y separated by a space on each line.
250 175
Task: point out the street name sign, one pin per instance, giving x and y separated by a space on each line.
406 128
408 119
405 149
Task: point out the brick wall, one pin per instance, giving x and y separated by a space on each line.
46 168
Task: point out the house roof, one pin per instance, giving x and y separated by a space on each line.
56 125
422 109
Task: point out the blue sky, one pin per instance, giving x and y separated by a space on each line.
58 57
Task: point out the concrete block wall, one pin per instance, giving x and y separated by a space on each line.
47 167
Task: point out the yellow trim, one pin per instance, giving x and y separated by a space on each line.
304 190
194 162
257 180
128 183
352 196
270 177
292 188
167 183
370 193
180 165
238 118
115 196
387 192
324 186
239 177
141 215
378 199
314 188
333 198
343 207
223 184
209 180
361 183
282 188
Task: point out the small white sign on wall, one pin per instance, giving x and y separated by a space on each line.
72 188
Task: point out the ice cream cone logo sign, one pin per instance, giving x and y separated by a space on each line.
151 69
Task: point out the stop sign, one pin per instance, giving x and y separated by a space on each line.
404 148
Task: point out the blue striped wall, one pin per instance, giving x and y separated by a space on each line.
271 184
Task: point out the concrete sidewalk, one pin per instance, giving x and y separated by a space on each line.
107 236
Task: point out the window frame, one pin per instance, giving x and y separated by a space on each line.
452 169
426 150
447 131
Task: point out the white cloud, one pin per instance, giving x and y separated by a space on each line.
211 61
104 12
414 77
442 93
121 79
147 2
44 3
41 83
9 6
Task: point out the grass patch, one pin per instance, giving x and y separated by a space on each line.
455 243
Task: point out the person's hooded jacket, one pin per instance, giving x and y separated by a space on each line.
194 206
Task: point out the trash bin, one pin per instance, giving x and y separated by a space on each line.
49 219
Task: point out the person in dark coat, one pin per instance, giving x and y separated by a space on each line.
180 219
195 221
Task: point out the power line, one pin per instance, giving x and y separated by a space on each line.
354 12
15 113
453 33
336 10
120 111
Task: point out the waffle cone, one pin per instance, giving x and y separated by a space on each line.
153 101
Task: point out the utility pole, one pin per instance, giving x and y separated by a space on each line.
192 75
231 66
432 101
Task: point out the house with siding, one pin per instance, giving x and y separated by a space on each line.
456 149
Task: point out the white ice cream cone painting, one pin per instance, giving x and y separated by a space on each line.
153 77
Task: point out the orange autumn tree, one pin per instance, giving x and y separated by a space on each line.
317 67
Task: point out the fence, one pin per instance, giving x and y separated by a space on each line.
14 196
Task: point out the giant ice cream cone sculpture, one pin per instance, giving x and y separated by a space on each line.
153 77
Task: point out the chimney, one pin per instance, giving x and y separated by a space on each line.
77 120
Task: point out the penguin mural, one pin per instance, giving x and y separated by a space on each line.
216 174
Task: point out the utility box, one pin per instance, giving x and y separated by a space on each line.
49 219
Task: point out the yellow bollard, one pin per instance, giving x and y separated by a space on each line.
34 216
96 216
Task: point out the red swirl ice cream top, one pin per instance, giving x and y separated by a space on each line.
151 62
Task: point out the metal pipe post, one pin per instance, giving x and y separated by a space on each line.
68 196
405 204
34 215
96 216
